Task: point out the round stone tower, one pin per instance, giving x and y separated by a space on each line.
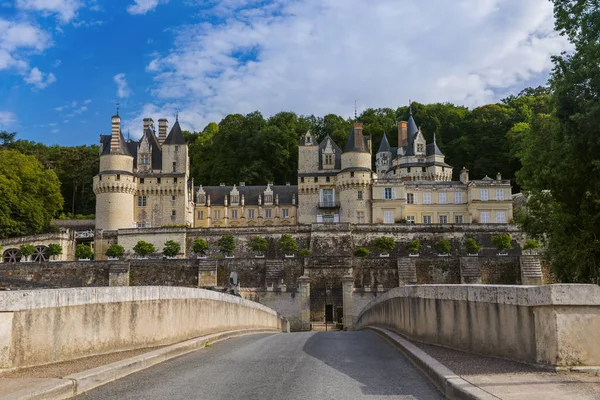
354 180
115 185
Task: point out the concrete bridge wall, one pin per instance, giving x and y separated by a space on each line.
46 326
553 324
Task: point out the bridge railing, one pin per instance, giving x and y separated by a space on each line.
45 326
553 324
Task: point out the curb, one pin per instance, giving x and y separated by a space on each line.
451 385
84 381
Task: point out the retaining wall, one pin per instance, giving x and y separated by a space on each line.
46 326
554 324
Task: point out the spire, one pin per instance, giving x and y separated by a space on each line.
385 145
176 135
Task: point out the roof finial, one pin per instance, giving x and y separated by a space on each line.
355 113
409 107
128 140
177 116
118 104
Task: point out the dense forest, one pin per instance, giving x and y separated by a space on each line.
545 139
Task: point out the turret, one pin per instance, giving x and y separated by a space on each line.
383 157
357 152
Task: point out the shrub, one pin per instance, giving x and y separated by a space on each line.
400 221
171 248
200 246
54 249
258 243
27 250
305 253
384 244
115 251
414 246
84 251
443 247
472 246
288 244
143 248
502 242
362 252
531 244
226 244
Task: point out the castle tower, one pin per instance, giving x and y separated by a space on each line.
115 185
355 179
383 158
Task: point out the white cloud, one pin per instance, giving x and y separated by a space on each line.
66 10
55 131
88 101
122 89
315 56
57 63
38 79
143 6
7 118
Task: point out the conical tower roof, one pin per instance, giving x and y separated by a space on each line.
385 145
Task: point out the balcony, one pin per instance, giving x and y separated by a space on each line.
329 204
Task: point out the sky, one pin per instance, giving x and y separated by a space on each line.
66 64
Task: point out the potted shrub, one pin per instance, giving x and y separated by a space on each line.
472 247
362 252
502 242
384 245
200 247
115 251
531 246
226 245
144 249
413 248
442 247
54 250
171 248
83 252
260 245
288 245
27 251
305 253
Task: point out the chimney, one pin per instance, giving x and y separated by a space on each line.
403 134
163 127
221 184
358 136
148 123
115 138
464 176
242 183
498 176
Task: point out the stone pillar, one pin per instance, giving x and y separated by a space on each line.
118 274
531 269
207 273
304 293
347 291
407 271
470 270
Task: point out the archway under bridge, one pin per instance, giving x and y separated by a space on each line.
326 301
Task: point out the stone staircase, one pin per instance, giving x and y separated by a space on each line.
531 270
470 270
407 271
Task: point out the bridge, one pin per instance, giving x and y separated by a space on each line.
186 343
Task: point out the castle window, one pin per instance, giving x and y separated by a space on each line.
442 198
316 179
457 198
202 198
173 198
500 217
234 214
360 194
174 180
410 198
328 159
158 180
484 217
173 213
388 216
327 179
483 194
235 199
176 148
360 217
141 201
458 219
174 167
268 198
141 181
408 170
217 214
118 177
302 180
424 169
427 198
427 219
410 219
351 174
250 213
267 213
285 213
499 194
420 147
144 159
200 214
388 194
100 177
443 219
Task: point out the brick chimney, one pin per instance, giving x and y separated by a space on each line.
358 136
163 127
148 123
464 176
115 138
403 134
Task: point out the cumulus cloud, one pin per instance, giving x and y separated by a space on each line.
7 118
311 56
122 88
143 6
65 10
39 79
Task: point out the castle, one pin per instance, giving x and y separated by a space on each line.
147 184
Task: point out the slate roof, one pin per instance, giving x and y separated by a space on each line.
412 134
433 149
350 144
105 145
303 140
156 148
385 145
336 148
175 136
218 193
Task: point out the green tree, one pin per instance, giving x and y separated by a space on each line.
502 241
200 246
443 246
414 246
30 195
472 246
171 248
305 253
288 244
362 252
226 244
531 244
259 244
54 249
115 251
144 249
384 244
27 250
84 252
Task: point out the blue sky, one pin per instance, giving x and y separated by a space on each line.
65 63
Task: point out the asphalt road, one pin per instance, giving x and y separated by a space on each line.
309 365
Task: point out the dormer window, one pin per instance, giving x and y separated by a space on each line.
202 198
420 147
144 159
235 199
328 159
268 198
308 139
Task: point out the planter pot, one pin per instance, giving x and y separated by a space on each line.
414 255
261 256
53 260
84 259
384 254
142 258
201 257
113 258
443 255
502 254
229 256
289 255
472 254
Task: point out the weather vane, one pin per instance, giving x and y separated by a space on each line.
118 104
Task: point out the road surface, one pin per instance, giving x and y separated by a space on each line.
294 366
